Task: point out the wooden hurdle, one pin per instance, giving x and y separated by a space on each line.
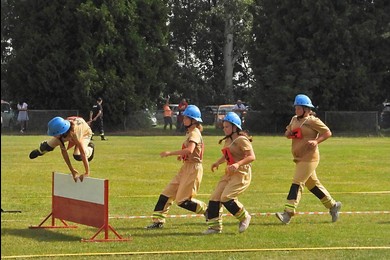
84 203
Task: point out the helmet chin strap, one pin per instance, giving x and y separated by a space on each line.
229 136
233 132
186 127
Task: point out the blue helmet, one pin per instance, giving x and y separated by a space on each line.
233 118
303 100
193 112
58 126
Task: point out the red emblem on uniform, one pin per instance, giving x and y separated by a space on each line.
228 155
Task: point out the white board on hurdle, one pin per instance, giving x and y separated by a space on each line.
80 202
90 190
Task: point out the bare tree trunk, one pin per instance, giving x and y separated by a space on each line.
228 59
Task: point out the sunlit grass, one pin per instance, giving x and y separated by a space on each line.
355 171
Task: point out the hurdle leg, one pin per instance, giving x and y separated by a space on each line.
106 229
10 211
52 223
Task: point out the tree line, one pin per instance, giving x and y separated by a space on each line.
62 54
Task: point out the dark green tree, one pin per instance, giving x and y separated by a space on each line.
66 53
337 52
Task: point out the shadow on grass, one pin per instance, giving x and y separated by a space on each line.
39 234
166 232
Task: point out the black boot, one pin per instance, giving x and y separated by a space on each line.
35 153
92 145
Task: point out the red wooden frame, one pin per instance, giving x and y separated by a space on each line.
81 212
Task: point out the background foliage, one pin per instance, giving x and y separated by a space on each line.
63 54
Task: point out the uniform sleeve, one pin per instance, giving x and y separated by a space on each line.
245 144
317 125
195 136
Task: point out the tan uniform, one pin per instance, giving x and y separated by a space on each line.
234 183
185 185
82 131
306 158
231 184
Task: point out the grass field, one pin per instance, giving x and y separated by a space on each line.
356 171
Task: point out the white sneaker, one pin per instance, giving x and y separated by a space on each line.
211 231
284 217
245 223
335 211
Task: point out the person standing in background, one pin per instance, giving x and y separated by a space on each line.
167 114
240 109
96 118
179 123
22 116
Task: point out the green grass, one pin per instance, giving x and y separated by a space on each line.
356 171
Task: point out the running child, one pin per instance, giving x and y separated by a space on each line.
306 132
238 155
184 186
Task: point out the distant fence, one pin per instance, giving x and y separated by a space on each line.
266 122
347 123
38 119
340 122
351 122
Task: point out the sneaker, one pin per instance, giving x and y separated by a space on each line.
244 224
155 225
284 217
34 154
210 231
335 211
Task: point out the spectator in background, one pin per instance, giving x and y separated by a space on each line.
179 123
240 109
96 118
22 116
167 115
